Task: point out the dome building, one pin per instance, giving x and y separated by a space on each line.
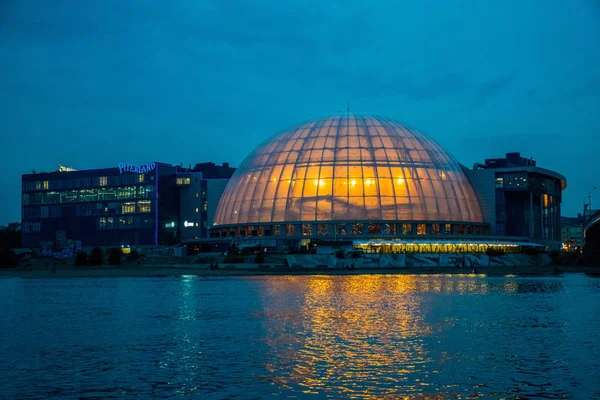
348 176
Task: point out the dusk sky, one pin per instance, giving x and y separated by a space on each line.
89 84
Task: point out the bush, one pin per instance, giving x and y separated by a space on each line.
339 254
494 252
133 255
114 257
97 256
81 258
233 259
8 258
357 254
260 258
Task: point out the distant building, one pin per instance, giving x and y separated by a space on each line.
572 232
139 205
520 199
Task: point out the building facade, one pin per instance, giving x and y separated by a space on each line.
136 205
520 199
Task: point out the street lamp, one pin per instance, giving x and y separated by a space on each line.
589 200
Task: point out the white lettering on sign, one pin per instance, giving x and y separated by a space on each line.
138 169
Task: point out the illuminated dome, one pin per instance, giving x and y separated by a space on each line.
348 167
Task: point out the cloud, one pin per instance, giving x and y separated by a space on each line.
493 88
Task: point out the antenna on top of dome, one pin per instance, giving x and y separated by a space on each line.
348 106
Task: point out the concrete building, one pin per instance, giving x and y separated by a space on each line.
572 232
519 199
138 205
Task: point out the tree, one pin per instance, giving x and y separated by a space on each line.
97 256
8 259
81 258
133 255
259 258
114 257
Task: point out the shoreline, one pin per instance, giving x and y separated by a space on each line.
122 271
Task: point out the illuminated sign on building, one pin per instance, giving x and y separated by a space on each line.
138 169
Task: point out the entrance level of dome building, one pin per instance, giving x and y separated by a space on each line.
350 229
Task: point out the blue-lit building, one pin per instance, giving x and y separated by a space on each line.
137 205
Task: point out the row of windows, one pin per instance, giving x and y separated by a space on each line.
90 209
31 227
355 229
89 195
81 183
123 222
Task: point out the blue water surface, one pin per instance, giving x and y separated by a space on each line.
441 336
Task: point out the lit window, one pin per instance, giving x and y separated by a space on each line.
197 194
205 206
145 206
141 178
196 209
306 229
500 182
436 229
448 229
276 230
261 231
196 224
374 229
407 229
290 230
45 185
390 229
128 208
421 229
356 229
103 181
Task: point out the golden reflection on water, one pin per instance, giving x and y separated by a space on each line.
358 334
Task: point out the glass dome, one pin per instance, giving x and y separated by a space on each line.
348 167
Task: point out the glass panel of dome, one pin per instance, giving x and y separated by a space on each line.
325 187
324 210
386 187
340 209
388 208
292 157
308 210
372 208
328 155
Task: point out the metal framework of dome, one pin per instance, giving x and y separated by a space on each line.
348 167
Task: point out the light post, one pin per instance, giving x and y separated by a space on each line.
589 204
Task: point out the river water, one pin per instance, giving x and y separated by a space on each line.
431 336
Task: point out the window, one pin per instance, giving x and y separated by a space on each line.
45 185
306 229
460 229
357 229
421 229
197 194
500 182
261 230
205 206
38 185
407 229
128 207
141 178
341 229
389 229
183 180
276 230
436 229
145 206
448 229
196 224
249 230
196 209
322 229
103 181
374 229
290 230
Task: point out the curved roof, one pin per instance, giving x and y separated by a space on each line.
348 167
